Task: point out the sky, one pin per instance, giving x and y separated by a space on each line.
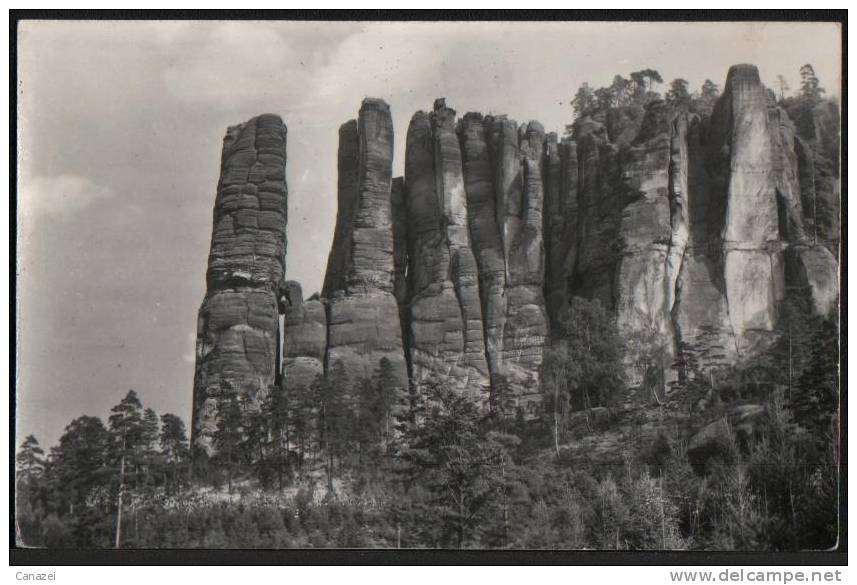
120 127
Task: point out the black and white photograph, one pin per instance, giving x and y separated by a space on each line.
495 285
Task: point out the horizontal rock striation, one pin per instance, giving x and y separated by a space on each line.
445 326
238 326
304 339
362 313
690 230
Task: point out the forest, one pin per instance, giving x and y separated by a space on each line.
348 463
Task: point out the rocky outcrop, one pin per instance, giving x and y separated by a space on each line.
485 234
561 222
694 228
304 339
363 315
690 230
238 327
526 326
750 233
699 308
642 288
476 255
445 318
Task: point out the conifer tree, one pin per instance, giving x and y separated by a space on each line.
174 447
126 428
228 436
678 95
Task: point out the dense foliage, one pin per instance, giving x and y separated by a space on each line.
360 468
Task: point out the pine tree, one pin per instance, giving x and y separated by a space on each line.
452 470
228 435
255 425
174 447
278 408
782 87
584 100
150 458
29 473
126 428
334 400
302 413
678 95
810 88
30 460
703 102
642 85
589 355
78 464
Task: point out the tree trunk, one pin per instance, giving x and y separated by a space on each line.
229 471
460 518
505 506
663 518
118 542
329 470
556 432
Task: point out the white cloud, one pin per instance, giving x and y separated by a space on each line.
58 195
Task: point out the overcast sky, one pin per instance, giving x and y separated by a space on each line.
120 130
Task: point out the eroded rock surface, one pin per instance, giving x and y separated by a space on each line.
363 315
690 230
304 339
238 326
445 319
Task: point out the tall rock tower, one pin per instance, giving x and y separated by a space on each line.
362 314
238 329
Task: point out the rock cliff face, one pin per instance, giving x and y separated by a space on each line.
690 230
445 333
362 313
696 227
304 339
474 192
238 329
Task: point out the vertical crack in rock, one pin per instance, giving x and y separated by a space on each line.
400 256
679 216
485 236
445 324
563 231
642 301
700 299
362 314
600 208
347 196
238 326
684 227
503 167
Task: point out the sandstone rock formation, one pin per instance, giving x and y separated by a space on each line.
238 329
690 230
304 339
363 316
445 318
682 229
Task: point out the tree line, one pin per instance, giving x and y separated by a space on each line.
359 463
641 88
